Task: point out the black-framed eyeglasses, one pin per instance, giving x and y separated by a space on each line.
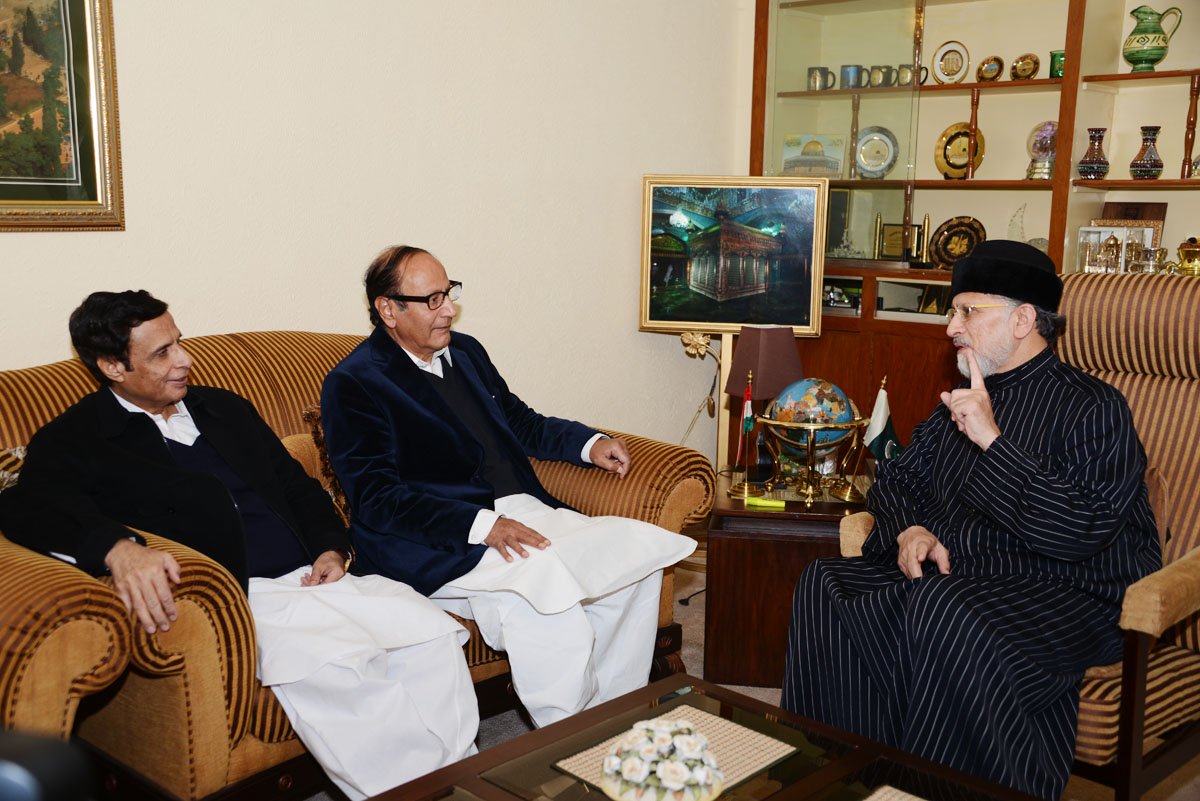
433 300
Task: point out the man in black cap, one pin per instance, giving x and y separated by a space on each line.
1004 538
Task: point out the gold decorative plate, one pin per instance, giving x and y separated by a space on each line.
990 69
950 63
950 151
953 239
1024 67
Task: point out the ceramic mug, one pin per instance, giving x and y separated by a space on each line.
883 75
904 75
820 79
854 76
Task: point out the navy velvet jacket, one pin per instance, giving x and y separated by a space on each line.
411 470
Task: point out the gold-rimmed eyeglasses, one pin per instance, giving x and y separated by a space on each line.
434 300
965 312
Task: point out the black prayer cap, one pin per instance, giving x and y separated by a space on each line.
1012 269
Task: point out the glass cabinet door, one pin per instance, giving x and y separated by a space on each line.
841 104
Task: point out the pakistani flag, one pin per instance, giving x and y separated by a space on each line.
881 438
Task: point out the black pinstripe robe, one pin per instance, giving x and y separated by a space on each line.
980 669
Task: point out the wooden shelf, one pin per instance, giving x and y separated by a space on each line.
1031 85
977 183
866 90
1130 183
868 183
991 87
1167 76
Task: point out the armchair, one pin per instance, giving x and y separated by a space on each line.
1142 335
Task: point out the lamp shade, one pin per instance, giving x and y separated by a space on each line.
768 351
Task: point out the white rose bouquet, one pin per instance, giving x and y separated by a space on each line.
661 760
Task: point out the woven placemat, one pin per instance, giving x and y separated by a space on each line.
887 793
740 752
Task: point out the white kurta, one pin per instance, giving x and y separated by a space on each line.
371 675
578 619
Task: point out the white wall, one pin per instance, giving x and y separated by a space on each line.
272 147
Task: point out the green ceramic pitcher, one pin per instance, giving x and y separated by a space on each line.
1146 44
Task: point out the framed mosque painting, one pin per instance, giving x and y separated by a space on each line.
722 252
60 165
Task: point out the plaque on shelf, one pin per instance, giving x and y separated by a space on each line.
877 152
950 151
953 239
950 63
990 69
1024 67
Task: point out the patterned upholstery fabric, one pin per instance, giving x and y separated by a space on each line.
62 638
1139 333
165 721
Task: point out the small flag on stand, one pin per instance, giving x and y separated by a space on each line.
881 437
747 418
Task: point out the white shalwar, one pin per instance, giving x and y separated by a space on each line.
578 619
371 675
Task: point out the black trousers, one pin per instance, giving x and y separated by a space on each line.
978 672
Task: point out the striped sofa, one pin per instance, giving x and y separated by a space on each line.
181 713
1142 335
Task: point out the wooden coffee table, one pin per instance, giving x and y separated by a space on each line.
828 765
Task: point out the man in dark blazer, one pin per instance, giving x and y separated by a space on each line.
210 474
432 449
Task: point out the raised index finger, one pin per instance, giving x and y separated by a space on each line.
976 374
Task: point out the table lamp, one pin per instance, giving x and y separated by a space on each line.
765 361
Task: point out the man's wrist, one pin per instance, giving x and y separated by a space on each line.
347 554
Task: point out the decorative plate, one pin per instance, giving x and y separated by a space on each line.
950 63
953 239
1025 67
950 152
876 153
990 69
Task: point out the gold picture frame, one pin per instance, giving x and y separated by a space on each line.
722 252
1155 225
79 188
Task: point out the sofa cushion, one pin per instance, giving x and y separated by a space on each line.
11 460
312 416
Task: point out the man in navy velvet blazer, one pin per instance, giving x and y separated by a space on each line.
431 448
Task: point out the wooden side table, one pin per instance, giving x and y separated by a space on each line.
754 559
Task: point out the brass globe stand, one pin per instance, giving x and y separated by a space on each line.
811 484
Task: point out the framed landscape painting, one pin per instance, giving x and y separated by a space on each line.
722 252
60 164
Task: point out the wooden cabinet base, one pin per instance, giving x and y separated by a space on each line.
753 564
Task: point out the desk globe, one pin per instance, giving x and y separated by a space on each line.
811 400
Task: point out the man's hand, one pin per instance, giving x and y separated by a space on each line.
610 454
971 408
918 544
509 535
325 570
142 578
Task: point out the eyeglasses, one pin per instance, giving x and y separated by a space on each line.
434 300
965 312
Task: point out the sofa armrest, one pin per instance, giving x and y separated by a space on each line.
1163 598
853 532
64 635
189 698
669 485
